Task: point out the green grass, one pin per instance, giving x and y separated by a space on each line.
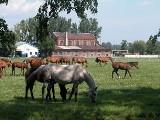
117 99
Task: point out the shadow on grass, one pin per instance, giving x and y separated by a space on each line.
140 103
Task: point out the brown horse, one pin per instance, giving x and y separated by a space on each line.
65 60
102 60
54 59
21 65
33 74
4 65
80 60
27 61
123 66
36 62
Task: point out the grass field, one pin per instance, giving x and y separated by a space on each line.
117 99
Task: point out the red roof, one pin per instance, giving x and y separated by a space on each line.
74 36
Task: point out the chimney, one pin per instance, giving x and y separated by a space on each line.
66 39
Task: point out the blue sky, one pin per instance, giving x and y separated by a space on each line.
120 19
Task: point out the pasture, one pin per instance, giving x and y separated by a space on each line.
117 99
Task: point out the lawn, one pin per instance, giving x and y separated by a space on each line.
117 99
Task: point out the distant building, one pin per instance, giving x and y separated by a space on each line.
24 49
78 44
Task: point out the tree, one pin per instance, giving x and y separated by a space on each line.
4 1
107 45
7 39
46 47
124 45
90 26
138 46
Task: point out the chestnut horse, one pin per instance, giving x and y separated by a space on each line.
21 65
36 62
80 60
65 60
123 66
102 60
4 65
54 59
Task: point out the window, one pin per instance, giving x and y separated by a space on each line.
36 53
61 42
30 53
92 43
77 43
84 43
69 42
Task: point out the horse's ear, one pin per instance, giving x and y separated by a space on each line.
95 88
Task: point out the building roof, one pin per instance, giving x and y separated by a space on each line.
74 36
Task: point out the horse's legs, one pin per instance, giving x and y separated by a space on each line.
53 92
26 95
13 70
31 90
74 89
117 73
129 73
63 92
43 90
50 85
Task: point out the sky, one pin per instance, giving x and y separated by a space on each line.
129 20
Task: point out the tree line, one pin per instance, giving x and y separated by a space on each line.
151 46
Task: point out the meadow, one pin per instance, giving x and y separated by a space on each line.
117 99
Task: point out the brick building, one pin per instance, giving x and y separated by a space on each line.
79 44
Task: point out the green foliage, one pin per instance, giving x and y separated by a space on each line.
7 39
124 45
117 99
46 47
138 46
90 26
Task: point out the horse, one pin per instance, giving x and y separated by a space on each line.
36 62
4 65
102 60
123 66
53 60
37 74
27 61
81 60
73 74
21 65
65 60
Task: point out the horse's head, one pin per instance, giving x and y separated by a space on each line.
93 94
135 64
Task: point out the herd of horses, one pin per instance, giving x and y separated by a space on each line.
71 73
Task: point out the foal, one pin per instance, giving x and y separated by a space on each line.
123 66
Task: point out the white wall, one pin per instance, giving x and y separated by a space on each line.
141 56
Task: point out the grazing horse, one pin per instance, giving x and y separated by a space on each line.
38 74
4 65
81 60
102 60
65 60
53 60
73 74
21 65
123 66
36 62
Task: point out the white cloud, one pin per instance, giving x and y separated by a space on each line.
20 7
